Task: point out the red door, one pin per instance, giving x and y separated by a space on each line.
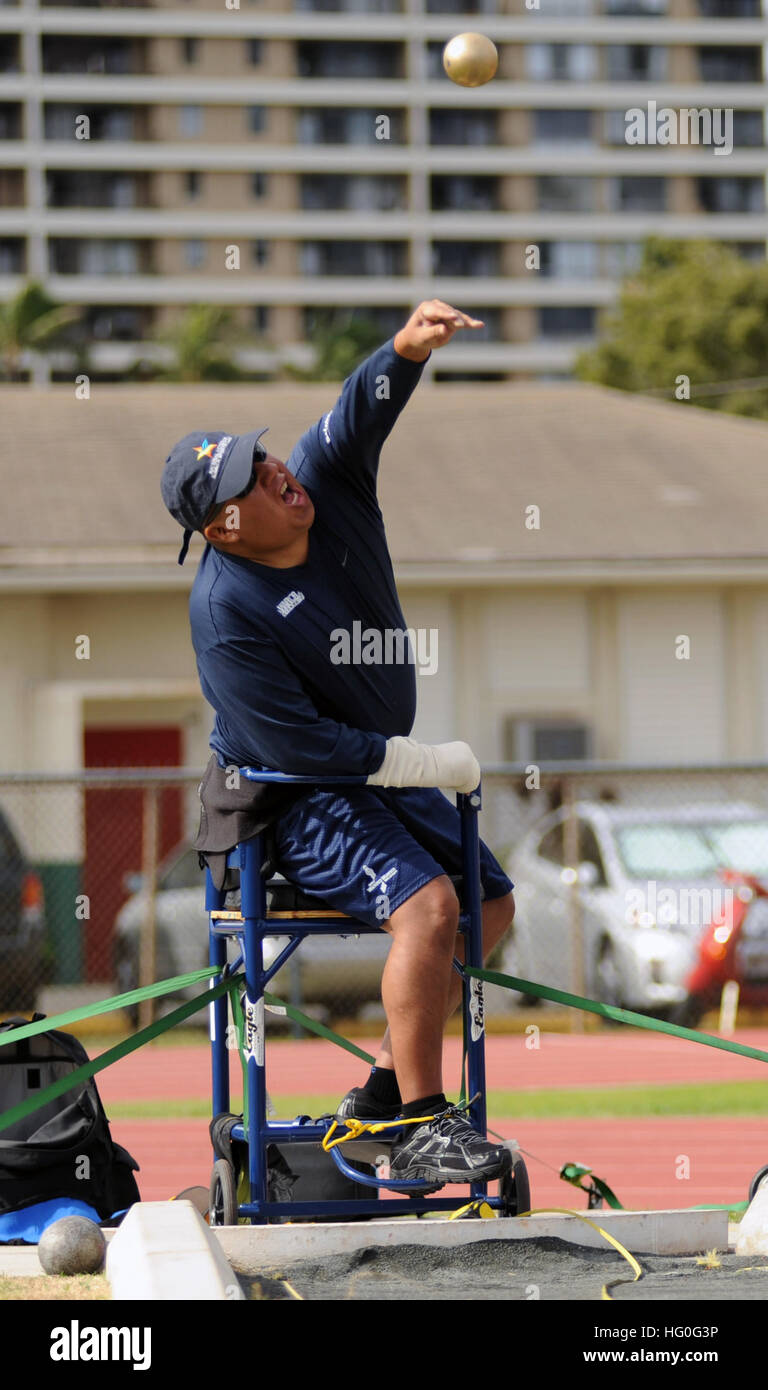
113 828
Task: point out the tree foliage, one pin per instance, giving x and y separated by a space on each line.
693 309
30 322
341 341
202 341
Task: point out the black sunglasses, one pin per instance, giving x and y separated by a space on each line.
259 455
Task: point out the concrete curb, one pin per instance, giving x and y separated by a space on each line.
165 1251
252 1249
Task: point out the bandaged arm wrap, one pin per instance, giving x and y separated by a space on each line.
411 764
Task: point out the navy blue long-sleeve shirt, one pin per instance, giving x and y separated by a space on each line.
263 635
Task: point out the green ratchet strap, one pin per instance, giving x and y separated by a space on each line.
88 1069
597 1191
312 1026
591 1006
118 1001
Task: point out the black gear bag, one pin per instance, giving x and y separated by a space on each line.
64 1149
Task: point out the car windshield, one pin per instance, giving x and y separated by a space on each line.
668 849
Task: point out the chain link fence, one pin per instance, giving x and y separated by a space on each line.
642 887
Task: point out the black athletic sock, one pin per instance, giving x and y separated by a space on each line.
428 1105
382 1086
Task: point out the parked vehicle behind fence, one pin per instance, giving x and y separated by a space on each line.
647 885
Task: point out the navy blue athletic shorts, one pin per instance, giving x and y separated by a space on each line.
367 850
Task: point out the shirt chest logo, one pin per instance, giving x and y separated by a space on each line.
291 601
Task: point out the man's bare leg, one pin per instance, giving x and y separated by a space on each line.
415 987
497 917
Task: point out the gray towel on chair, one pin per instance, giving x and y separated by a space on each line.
229 814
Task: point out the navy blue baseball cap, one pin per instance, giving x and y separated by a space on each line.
203 469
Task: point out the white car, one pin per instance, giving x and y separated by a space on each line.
645 884
338 974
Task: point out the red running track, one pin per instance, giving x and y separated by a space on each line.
643 1160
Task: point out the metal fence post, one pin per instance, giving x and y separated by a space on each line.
148 937
571 856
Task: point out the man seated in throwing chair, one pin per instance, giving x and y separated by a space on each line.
296 553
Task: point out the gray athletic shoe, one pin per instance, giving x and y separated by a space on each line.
447 1149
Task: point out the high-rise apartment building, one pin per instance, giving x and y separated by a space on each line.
286 157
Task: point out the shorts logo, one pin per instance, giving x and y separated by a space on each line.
291 601
326 431
378 882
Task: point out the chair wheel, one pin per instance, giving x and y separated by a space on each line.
757 1179
514 1187
222 1198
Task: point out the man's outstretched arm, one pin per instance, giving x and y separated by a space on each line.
353 432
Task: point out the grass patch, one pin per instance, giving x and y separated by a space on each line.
54 1287
609 1102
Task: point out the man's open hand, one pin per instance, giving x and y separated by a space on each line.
430 326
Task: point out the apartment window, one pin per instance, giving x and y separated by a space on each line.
568 9
10 121
192 183
569 260
194 254
259 184
119 324
547 62
114 124
9 53
635 62
348 59
730 9
635 7
731 194
562 127
641 194
748 128
620 258
464 193
353 258
750 250
259 252
190 50
11 256
346 126
350 6
260 318
566 321
565 193
191 120
255 52
358 192
466 258
257 119
93 256
463 127
730 64
462 6
11 188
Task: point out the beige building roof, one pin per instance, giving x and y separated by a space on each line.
617 478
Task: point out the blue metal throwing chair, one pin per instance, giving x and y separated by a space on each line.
250 925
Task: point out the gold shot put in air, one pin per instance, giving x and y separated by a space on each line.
470 59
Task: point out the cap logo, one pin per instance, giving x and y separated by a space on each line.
203 450
218 455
